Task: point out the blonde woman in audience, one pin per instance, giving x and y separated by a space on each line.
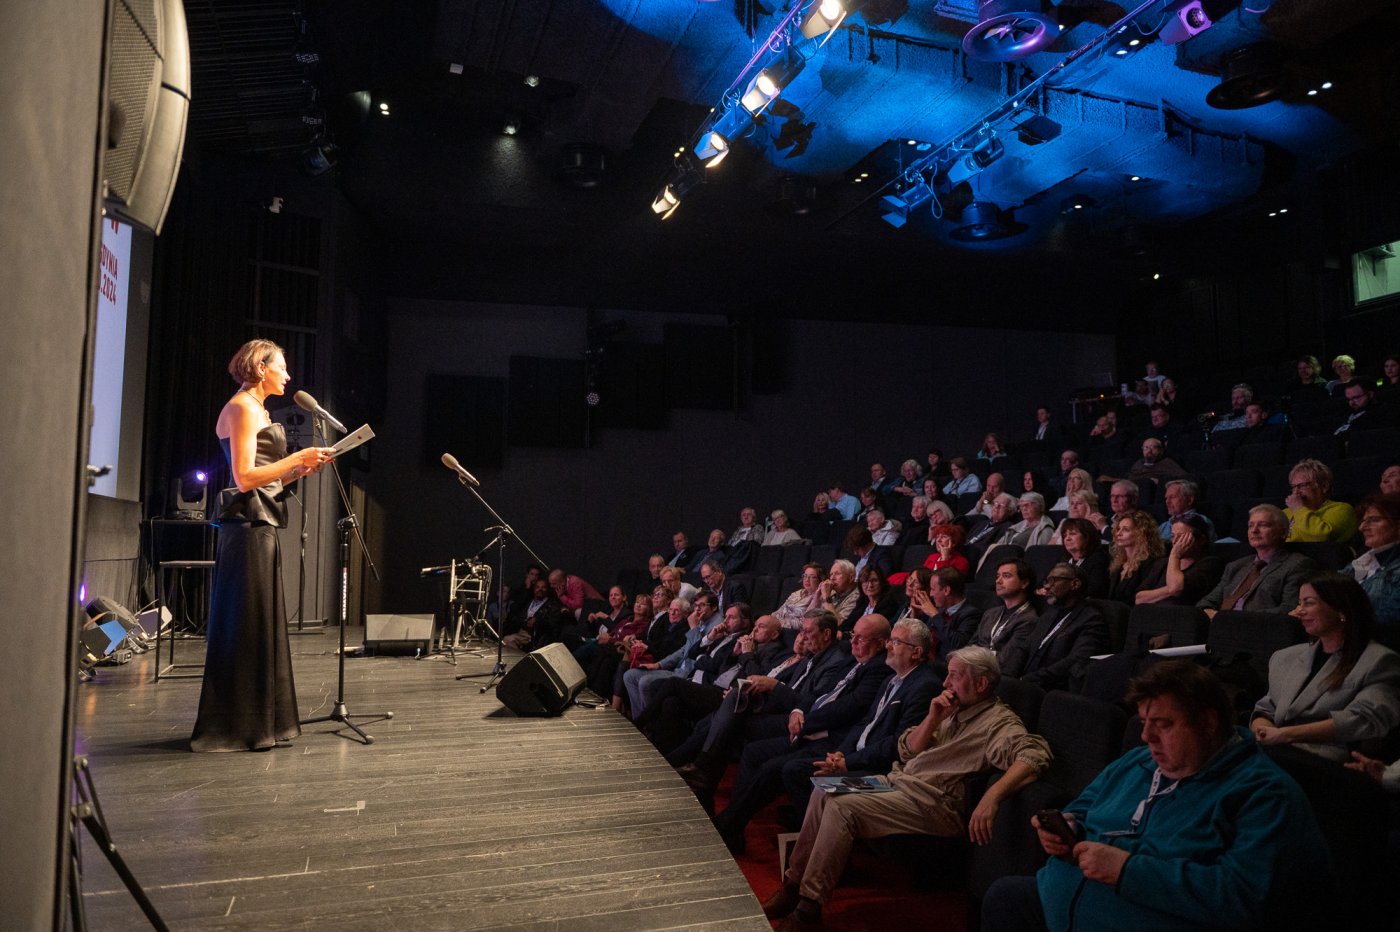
1078 480
1312 516
1083 504
1134 555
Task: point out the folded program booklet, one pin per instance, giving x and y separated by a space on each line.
352 440
850 784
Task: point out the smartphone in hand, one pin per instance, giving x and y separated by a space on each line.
1054 822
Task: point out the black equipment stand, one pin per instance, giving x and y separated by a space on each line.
349 523
302 627
504 532
88 810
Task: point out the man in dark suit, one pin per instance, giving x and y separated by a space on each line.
1364 413
847 706
1048 432
727 591
1067 634
956 619
677 704
1174 437
864 552
715 549
763 706
872 744
683 553
1268 580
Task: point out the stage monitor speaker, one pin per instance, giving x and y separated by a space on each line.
399 628
544 682
148 101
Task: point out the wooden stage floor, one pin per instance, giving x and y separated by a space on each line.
460 815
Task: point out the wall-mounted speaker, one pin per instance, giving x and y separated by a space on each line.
544 682
148 100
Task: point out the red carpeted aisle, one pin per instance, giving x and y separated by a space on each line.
875 894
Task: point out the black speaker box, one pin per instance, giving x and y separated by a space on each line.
544 682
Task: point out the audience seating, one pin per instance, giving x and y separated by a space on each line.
769 562
765 594
1384 443
795 555
1257 455
1206 461
815 530
915 555
986 574
825 554
1185 624
1328 555
1043 558
1115 614
1256 635
1232 485
1323 447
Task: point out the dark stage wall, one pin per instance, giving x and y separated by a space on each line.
842 395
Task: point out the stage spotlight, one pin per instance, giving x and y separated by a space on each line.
1185 19
712 148
968 163
914 193
769 83
826 17
189 495
666 202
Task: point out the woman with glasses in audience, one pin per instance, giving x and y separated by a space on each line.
1378 569
781 533
1338 689
1312 516
876 598
807 597
1134 556
964 482
1190 570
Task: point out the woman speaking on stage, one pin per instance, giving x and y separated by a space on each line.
248 702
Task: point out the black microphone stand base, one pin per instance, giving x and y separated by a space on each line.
498 670
341 715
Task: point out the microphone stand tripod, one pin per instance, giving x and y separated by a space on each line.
339 712
504 533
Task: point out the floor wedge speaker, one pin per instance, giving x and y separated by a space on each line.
380 629
544 682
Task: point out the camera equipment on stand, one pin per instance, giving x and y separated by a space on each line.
468 591
504 532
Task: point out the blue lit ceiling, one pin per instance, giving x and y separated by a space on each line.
622 84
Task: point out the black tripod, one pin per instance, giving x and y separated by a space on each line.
504 532
88 810
349 523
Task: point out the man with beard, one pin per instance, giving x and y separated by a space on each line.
1069 632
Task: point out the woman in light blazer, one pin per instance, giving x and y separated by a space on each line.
1341 687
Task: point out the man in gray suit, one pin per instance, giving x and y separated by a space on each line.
1267 581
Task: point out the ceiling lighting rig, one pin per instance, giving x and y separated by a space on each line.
798 36
942 173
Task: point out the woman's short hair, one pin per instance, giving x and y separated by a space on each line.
955 533
244 364
1086 530
1088 496
776 512
1316 471
941 509
1344 360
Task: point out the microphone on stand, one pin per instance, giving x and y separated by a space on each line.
451 463
307 403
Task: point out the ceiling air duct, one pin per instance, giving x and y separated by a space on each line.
1010 30
1253 77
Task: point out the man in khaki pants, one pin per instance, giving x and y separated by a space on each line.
967 731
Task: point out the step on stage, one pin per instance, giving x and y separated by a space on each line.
459 816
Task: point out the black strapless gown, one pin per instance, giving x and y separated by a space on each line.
248 700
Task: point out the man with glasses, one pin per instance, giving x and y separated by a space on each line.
1068 633
760 706
1197 829
966 731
